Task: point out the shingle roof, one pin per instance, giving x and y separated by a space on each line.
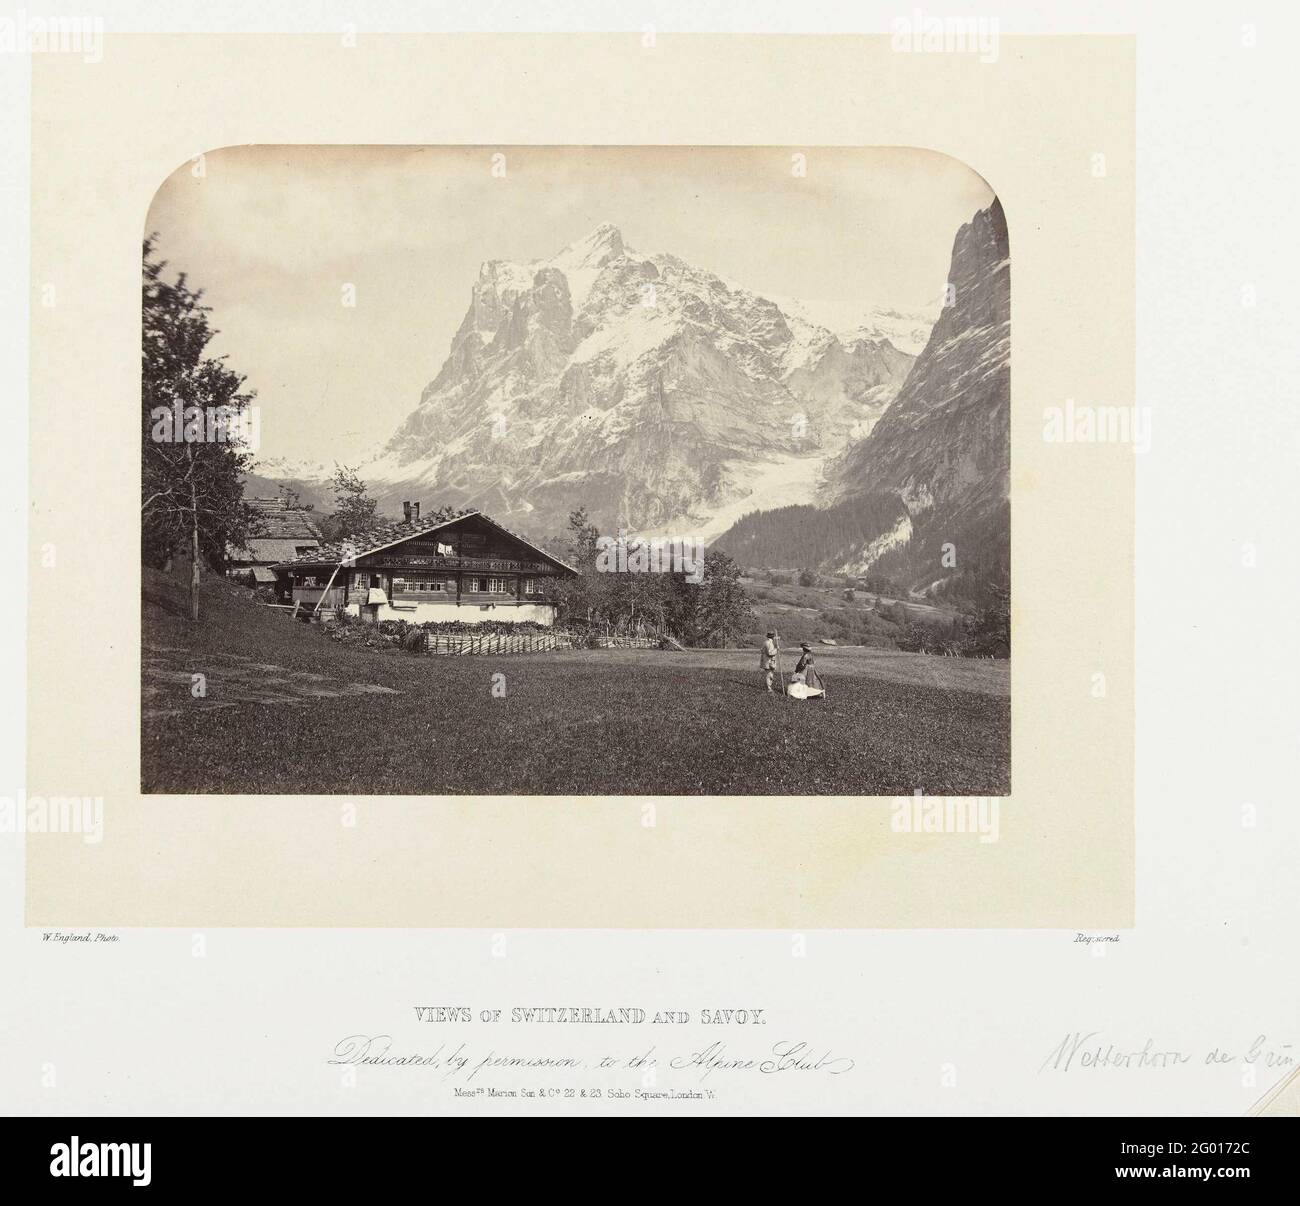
257 548
277 520
384 535
278 531
380 537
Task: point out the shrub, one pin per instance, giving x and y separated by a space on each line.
837 622
492 627
365 636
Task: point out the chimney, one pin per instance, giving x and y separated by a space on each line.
415 512
406 512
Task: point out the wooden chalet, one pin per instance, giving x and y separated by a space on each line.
468 568
281 532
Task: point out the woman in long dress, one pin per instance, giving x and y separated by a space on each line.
805 672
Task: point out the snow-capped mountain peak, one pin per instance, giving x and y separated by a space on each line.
643 387
581 262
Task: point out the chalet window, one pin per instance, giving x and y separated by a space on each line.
420 585
534 586
361 581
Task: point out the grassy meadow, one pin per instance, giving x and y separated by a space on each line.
285 709
811 613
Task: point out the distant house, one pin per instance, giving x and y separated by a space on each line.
282 532
468 568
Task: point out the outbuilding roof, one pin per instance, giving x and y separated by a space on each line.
279 531
278 519
268 552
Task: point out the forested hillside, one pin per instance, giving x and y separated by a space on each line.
811 536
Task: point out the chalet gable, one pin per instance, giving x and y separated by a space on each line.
471 541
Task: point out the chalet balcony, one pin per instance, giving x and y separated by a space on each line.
468 598
480 598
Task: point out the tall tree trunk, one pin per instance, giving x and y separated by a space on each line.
194 538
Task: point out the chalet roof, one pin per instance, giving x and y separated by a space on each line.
270 551
386 535
279 530
277 520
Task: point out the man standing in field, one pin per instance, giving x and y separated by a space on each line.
767 658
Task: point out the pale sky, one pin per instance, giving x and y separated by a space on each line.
273 234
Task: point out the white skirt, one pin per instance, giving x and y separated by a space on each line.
801 690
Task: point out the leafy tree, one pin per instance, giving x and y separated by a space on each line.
988 632
354 509
712 611
583 535
896 613
722 611
807 578
849 596
291 498
581 599
193 457
878 584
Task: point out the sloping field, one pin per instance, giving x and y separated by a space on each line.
285 709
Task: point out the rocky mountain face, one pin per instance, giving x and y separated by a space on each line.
943 446
653 393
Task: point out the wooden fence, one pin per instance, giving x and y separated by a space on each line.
463 644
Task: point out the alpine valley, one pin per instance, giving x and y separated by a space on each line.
923 497
668 401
